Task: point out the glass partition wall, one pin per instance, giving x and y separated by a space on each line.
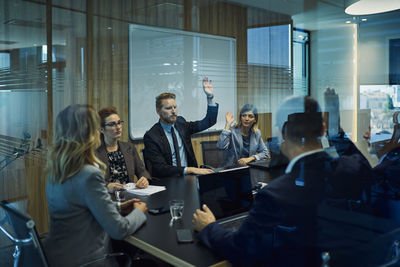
55 53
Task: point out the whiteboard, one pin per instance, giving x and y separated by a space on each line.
165 60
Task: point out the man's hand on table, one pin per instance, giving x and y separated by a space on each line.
198 171
202 218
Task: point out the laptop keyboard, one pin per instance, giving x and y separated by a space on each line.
233 224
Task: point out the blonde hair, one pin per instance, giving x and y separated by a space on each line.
161 97
76 137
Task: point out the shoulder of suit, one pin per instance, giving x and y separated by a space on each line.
180 119
125 145
156 127
89 169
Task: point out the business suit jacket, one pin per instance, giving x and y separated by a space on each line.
386 186
83 218
157 149
134 165
282 228
232 144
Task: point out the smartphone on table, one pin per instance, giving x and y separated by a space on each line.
160 210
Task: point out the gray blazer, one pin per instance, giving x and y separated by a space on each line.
83 218
232 144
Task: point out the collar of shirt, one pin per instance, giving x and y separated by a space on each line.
298 157
167 127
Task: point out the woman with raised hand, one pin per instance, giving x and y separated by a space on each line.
121 158
242 142
82 215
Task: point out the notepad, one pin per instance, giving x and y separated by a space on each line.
151 189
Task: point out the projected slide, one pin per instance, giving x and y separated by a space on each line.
166 60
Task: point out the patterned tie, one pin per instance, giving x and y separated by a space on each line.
176 147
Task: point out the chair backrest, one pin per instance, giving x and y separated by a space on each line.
394 142
28 248
212 156
20 229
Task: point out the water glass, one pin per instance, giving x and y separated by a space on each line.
119 194
176 208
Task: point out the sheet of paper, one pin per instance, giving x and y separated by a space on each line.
151 189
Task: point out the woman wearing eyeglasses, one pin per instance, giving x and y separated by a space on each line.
242 142
82 215
121 158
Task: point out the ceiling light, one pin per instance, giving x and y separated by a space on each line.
363 19
348 21
368 7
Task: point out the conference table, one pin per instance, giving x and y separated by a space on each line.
158 235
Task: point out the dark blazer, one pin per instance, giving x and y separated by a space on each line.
386 188
282 228
157 149
134 165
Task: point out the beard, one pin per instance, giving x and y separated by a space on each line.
173 118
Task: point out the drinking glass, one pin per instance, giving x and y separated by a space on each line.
119 194
176 208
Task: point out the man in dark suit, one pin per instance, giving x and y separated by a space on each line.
282 228
168 146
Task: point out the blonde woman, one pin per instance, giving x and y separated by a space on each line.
82 215
243 142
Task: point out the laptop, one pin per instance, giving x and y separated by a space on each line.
274 161
229 195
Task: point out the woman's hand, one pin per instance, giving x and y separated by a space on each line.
112 186
126 207
139 205
244 161
142 182
229 120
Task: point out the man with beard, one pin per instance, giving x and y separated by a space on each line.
168 146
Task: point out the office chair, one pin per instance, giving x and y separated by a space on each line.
28 247
394 142
212 156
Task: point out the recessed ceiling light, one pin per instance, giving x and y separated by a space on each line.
367 7
363 19
109 28
348 21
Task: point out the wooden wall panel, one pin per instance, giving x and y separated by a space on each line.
36 184
107 68
109 81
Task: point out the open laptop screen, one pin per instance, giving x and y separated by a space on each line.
226 193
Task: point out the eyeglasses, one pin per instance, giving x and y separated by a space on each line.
114 123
